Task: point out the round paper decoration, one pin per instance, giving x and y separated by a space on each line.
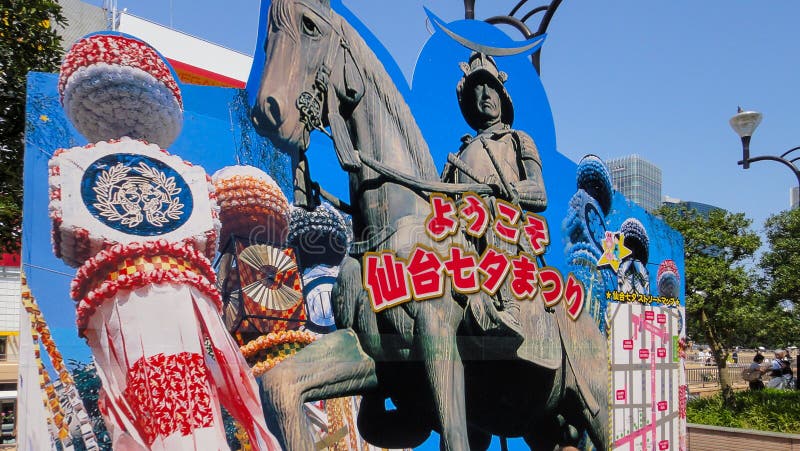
136 194
252 206
114 85
636 239
669 280
127 191
594 178
320 236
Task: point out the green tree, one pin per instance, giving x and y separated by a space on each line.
28 42
720 300
782 261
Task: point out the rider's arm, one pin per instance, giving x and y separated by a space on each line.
531 191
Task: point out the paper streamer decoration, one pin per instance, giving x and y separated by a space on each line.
147 306
42 335
141 224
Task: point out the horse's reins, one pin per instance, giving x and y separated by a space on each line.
309 103
310 106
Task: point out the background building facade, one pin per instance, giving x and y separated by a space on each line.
9 344
702 209
638 180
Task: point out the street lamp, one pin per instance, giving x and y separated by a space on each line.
744 123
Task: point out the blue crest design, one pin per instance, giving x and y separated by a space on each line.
136 194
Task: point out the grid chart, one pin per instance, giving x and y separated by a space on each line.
647 377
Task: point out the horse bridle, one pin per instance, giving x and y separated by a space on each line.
310 102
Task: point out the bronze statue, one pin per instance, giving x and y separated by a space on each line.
487 108
319 72
496 155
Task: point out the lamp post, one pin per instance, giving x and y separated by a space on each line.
744 123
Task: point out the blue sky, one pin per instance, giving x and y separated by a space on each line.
660 79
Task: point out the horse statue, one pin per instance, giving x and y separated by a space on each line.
319 72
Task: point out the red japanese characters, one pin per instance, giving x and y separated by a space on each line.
391 280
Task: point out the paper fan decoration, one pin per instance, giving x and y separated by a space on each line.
268 277
228 285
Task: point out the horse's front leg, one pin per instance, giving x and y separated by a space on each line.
435 336
332 367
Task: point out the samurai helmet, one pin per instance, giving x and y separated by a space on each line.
481 68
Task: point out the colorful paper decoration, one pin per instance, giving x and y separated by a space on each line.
141 224
251 205
42 334
113 85
320 236
126 191
258 274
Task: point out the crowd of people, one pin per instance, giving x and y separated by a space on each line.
779 369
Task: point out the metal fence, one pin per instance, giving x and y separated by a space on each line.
708 376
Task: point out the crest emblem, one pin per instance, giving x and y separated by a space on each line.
136 194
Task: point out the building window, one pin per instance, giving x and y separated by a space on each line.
3 348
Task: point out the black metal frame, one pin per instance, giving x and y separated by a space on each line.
520 23
783 158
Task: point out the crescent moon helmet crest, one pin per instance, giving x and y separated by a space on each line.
520 47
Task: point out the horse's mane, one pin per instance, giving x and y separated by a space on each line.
375 74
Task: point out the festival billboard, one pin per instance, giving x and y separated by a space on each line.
336 257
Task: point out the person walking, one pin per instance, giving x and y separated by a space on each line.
755 371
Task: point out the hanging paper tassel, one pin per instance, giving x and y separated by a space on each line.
140 223
68 384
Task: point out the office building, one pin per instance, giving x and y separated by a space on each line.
703 209
638 180
794 197
82 19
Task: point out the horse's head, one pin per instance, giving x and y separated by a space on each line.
307 60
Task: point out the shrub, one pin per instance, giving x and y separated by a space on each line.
765 410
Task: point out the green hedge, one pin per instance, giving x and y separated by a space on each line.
765 410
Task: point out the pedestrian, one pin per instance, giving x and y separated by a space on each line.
777 370
776 367
754 373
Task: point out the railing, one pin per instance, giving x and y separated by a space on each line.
708 376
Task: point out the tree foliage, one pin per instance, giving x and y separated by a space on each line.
720 302
782 261
28 42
